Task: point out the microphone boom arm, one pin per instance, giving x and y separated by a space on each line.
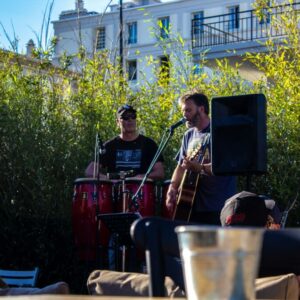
163 143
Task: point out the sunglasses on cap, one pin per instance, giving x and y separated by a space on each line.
126 117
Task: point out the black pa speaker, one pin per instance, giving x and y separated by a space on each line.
238 135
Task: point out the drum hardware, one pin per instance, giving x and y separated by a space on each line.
115 221
95 194
145 198
125 192
84 196
135 198
121 174
100 145
119 226
99 150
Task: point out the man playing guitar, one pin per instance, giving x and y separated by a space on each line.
193 186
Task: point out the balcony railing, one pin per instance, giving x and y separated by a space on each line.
238 26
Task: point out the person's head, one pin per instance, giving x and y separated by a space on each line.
194 107
126 118
249 209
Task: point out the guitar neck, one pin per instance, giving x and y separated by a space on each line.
189 179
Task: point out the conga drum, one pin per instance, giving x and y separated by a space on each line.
145 199
90 199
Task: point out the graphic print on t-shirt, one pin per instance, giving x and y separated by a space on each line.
194 143
128 159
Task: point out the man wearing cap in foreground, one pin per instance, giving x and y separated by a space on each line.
129 150
249 209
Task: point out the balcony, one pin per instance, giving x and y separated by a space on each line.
240 30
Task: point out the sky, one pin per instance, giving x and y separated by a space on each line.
24 17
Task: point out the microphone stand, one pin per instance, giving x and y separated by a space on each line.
96 196
163 143
96 173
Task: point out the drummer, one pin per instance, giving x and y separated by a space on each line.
130 151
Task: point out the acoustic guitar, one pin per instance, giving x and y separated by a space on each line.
189 183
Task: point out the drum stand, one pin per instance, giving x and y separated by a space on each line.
126 217
119 225
124 209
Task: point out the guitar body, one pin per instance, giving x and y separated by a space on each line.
186 196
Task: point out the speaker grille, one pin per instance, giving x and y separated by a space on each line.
238 135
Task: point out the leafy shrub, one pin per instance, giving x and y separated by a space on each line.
49 118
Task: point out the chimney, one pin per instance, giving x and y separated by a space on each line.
79 5
30 47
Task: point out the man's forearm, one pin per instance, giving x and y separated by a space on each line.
177 177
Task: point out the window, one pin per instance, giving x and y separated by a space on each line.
132 70
132 32
198 22
264 16
234 17
164 25
164 71
100 41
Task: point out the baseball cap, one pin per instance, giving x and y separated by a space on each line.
125 108
249 209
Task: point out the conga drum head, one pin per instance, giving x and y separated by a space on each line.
91 180
138 181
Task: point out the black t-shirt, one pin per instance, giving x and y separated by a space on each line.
129 155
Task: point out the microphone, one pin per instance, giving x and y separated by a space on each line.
102 150
177 124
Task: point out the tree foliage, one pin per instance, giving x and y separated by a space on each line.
280 66
49 118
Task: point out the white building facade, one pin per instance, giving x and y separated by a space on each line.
209 25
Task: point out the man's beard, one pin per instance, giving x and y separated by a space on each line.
194 120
